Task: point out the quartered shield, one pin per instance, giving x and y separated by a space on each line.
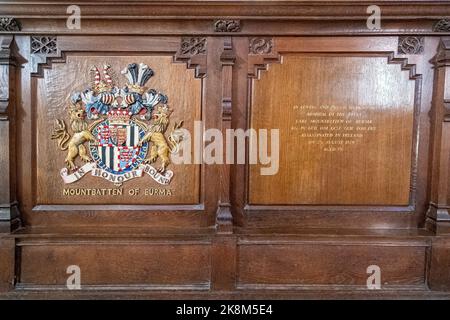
117 151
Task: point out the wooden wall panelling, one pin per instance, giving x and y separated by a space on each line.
381 215
340 263
147 249
69 48
116 264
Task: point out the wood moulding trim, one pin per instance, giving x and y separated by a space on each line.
112 241
305 287
393 242
192 51
342 293
68 207
117 287
147 9
334 208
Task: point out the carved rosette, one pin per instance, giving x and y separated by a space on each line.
9 24
193 46
442 25
227 26
261 52
260 45
410 45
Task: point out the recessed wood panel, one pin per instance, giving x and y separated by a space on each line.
102 264
52 101
318 264
346 131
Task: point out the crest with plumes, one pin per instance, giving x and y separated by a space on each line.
100 85
137 76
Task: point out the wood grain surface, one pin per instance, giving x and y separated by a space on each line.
365 100
53 93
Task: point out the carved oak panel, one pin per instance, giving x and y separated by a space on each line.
346 131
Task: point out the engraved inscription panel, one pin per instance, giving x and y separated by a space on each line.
118 173
346 131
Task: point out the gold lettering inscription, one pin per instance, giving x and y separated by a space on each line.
98 192
331 127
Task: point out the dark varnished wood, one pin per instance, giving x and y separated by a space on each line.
227 232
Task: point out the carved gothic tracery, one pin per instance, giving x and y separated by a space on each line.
442 25
44 45
9 24
193 46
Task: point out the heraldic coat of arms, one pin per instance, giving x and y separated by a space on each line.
117 133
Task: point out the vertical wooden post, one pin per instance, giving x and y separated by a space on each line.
224 218
224 244
438 216
9 217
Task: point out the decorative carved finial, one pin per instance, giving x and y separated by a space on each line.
442 25
410 45
9 24
227 26
193 46
260 45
